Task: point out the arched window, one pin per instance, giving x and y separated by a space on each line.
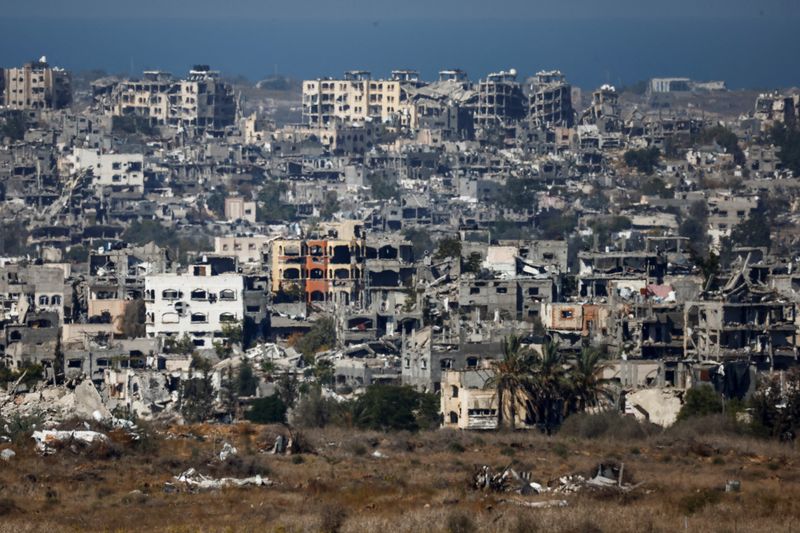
199 318
170 294
227 295
44 300
227 317
199 294
169 318
56 300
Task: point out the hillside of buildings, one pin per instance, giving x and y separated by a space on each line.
434 300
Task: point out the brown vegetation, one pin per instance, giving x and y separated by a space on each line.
421 483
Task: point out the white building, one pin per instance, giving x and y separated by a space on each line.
197 303
118 171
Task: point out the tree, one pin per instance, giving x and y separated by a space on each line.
216 203
133 320
752 231
695 228
775 405
315 411
448 247
473 263
519 194
270 204
725 138
197 397
549 387
288 388
321 336
392 407
383 187
788 140
586 379
267 410
14 126
330 205
644 160
246 380
182 345
700 401
511 380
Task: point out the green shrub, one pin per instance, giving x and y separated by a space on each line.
267 410
700 401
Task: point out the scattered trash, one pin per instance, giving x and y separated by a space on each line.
733 485
508 480
228 450
7 454
609 476
378 454
193 479
48 438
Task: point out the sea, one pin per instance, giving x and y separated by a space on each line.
754 53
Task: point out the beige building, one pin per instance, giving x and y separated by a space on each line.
200 101
357 97
237 208
465 403
37 85
251 249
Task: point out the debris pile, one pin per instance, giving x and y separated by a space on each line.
49 440
507 480
607 476
196 481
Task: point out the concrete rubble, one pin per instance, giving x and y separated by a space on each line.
49 440
193 480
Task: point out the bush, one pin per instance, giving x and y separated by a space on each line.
644 160
389 407
320 337
610 425
459 522
700 401
268 410
332 518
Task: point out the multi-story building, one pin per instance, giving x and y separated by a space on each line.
500 99
550 100
197 303
200 102
37 85
246 249
357 97
115 171
238 208
328 268
670 85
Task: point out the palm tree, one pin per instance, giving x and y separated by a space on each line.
587 383
510 380
549 387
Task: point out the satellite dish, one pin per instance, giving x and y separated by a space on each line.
513 72
43 59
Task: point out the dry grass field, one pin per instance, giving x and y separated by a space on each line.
420 484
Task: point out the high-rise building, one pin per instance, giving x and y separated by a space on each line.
200 102
37 85
500 99
550 100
